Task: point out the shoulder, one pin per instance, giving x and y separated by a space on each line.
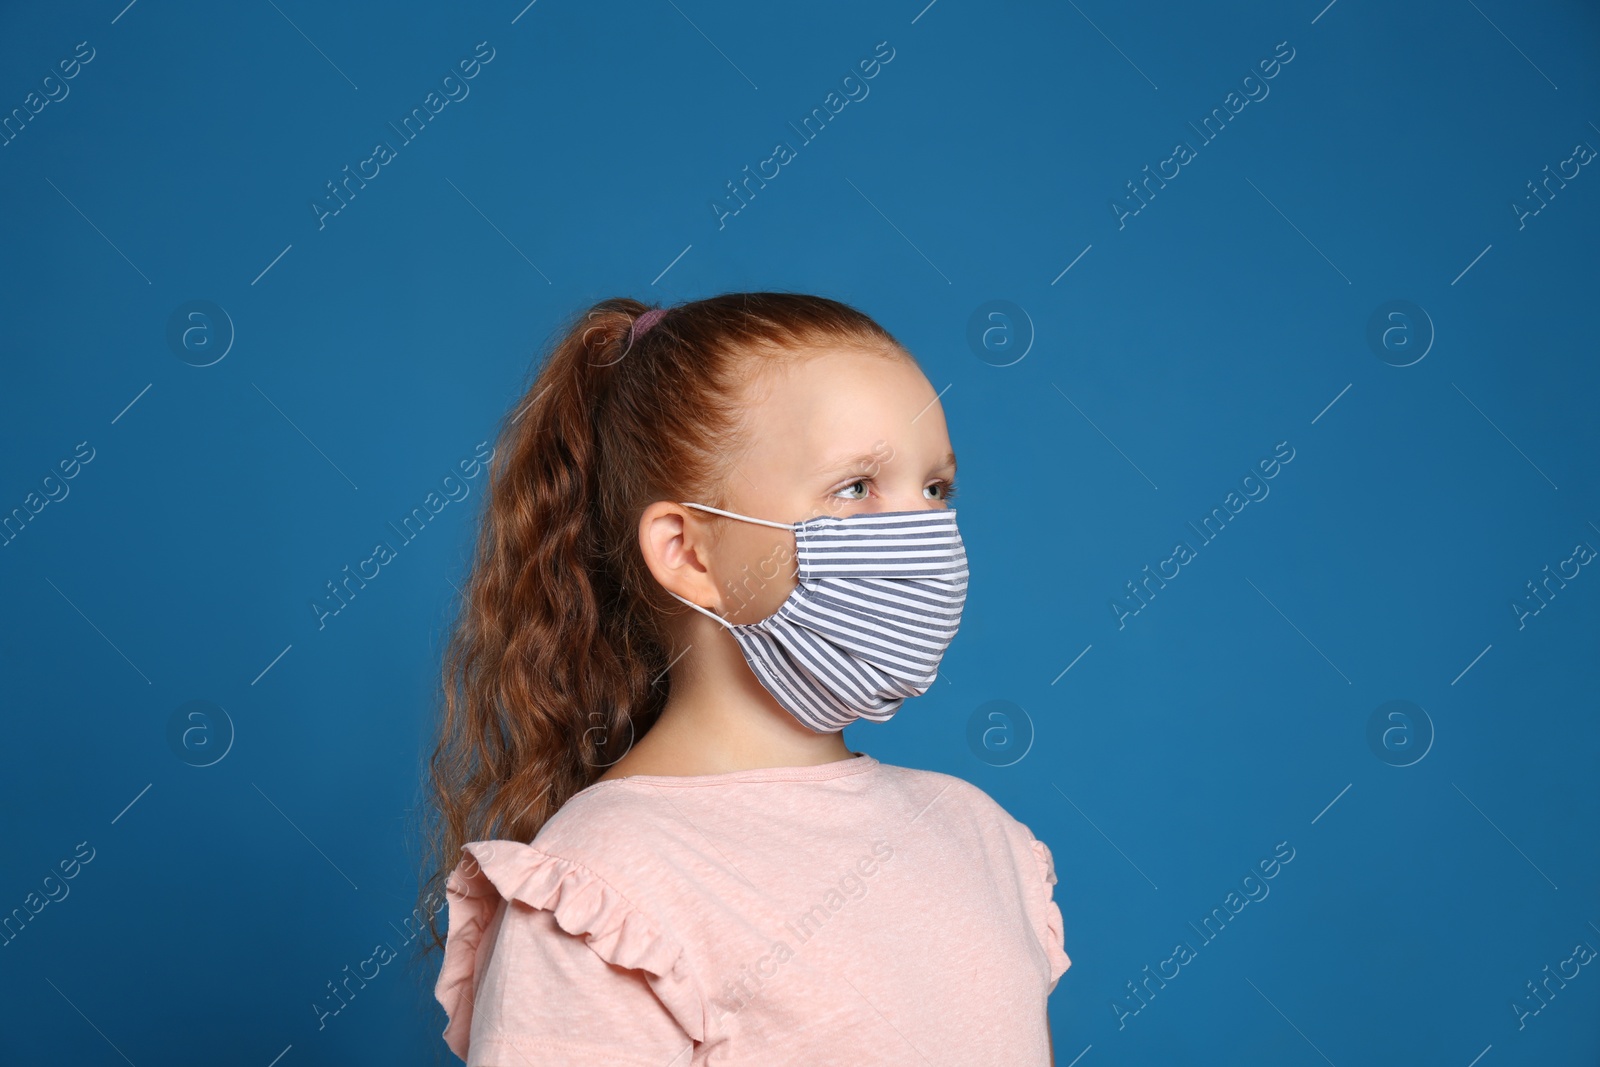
614 818
980 825
550 896
961 806
952 792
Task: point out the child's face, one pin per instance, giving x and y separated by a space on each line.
838 432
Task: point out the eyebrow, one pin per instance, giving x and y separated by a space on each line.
867 459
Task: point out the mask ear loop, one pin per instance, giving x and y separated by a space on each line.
735 515
704 611
732 515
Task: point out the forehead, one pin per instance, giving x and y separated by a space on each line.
822 402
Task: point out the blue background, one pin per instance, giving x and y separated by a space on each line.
362 358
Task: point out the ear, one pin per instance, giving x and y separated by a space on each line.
677 550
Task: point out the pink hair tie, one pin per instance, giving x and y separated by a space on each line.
647 320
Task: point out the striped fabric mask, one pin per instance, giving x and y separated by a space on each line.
877 601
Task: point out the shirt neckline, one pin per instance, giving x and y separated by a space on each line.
818 772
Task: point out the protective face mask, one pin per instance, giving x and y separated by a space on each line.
877 600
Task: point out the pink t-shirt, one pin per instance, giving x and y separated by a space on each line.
850 912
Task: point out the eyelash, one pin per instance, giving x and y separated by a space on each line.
947 485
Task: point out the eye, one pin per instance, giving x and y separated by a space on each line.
862 482
946 487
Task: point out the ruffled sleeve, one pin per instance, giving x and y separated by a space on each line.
568 970
1045 913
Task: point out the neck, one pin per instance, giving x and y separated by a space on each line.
719 718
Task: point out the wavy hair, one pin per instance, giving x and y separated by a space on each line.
557 659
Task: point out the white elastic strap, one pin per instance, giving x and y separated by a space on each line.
735 515
702 610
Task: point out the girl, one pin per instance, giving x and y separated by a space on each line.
715 535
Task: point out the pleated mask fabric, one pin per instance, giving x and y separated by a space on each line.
877 601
